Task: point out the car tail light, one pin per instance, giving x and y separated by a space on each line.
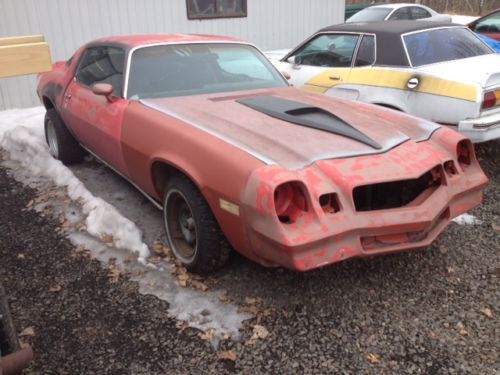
290 201
491 99
464 153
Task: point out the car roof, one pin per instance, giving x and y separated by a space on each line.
486 15
147 39
389 44
396 5
388 27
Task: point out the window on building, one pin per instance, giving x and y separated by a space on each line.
202 9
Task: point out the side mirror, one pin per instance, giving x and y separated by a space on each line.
104 89
297 60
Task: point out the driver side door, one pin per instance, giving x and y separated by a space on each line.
323 63
96 120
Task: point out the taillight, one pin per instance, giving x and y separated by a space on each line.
490 99
290 201
464 153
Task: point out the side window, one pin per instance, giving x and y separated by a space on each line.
366 51
489 25
418 13
400 14
328 50
102 65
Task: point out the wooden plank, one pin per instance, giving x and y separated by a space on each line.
25 58
8 41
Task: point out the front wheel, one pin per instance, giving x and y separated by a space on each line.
193 234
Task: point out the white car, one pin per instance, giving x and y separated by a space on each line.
437 71
393 12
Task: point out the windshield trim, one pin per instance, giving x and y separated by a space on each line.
432 29
132 50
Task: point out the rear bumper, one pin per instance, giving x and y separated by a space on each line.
481 129
380 232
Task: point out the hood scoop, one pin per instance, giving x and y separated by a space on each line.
306 115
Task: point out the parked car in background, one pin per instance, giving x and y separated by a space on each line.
394 12
352 9
488 25
436 71
494 44
214 136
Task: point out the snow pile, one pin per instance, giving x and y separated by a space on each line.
26 146
467 219
93 223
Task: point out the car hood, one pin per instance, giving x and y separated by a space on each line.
482 70
277 141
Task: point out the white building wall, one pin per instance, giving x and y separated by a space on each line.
67 24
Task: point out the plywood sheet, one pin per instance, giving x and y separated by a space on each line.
24 55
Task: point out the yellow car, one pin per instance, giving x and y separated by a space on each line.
437 71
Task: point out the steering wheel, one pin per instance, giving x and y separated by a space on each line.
327 58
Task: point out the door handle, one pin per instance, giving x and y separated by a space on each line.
67 96
335 78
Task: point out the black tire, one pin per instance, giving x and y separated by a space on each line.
62 145
186 214
8 336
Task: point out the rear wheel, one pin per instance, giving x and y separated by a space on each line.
193 234
62 145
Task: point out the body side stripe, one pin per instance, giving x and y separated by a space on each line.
391 78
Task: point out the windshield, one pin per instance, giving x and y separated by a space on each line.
192 69
438 45
370 15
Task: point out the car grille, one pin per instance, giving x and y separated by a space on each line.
396 194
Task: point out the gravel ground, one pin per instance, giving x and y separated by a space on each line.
433 311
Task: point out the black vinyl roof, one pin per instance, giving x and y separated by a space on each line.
390 50
387 27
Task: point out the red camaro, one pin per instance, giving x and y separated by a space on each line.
213 134
488 25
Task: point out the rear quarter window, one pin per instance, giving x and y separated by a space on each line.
439 45
418 13
366 51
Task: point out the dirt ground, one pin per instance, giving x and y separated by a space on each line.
433 311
